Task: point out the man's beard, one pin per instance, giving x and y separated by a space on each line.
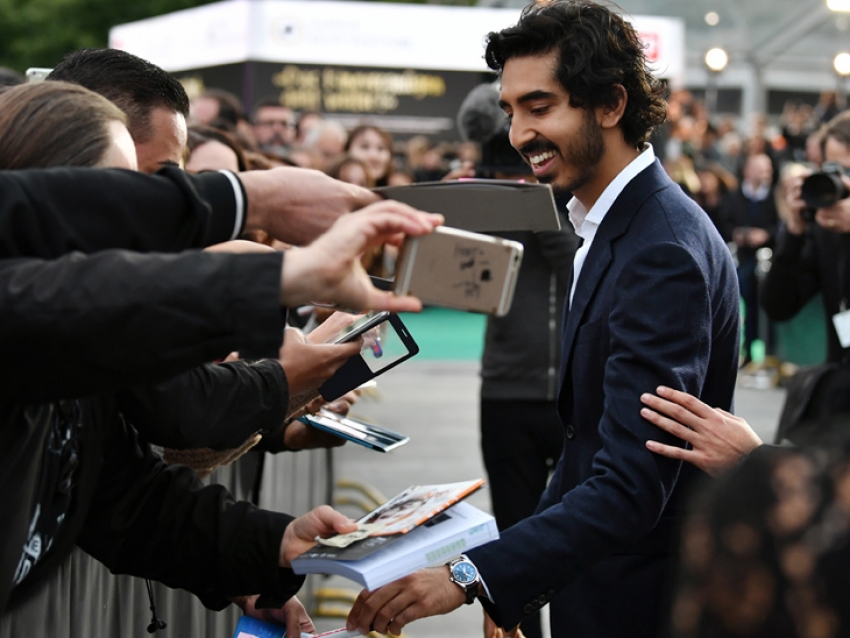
583 153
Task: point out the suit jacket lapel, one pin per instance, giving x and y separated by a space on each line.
615 224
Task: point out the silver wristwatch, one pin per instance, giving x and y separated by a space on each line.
464 574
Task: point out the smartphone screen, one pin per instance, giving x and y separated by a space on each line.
384 347
359 326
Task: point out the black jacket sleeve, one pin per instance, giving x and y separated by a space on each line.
47 213
84 324
159 522
215 405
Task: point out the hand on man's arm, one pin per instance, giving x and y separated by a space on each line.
719 440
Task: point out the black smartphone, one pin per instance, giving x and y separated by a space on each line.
362 324
392 344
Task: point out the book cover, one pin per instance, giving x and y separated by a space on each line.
415 505
376 561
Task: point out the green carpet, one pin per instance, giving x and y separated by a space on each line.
444 334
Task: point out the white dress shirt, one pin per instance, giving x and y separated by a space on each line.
587 222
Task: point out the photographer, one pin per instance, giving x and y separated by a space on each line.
812 248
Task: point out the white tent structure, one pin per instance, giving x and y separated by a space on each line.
406 66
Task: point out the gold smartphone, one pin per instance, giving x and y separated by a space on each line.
460 269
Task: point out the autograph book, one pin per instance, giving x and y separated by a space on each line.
482 205
377 560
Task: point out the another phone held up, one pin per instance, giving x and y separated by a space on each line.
459 269
36 74
384 346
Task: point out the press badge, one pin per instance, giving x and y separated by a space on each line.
841 321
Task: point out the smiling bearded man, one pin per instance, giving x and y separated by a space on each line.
653 301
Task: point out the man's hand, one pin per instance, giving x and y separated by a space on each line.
492 630
795 223
300 534
309 364
292 614
296 205
836 218
428 592
329 270
719 439
300 436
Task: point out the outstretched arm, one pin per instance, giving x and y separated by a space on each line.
718 439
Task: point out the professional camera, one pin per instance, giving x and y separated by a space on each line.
825 188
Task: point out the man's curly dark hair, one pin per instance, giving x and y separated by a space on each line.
598 50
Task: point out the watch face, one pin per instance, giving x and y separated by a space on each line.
464 573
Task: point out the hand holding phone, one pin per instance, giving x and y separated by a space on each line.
359 326
458 269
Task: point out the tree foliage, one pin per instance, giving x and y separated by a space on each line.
40 32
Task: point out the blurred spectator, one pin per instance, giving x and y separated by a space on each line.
750 213
432 168
400 178
306 122
155 102
791 172
10 77
85 128
681 170
374 146
796 123
814 147
274 126
217 108
827 107
765 552
715 185
325 144
211 149
414 151
812 249
352 170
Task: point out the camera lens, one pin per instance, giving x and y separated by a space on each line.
820 190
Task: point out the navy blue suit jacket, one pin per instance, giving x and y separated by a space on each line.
655 303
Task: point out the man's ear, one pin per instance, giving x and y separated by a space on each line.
609 115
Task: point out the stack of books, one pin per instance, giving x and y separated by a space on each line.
424 525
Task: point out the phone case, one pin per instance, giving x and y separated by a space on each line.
458 269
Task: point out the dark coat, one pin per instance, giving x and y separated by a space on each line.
656 303
84 326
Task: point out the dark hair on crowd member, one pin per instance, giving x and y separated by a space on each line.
267 102
54 124
135 85
598 50
229 108
200 134
838 128
10 77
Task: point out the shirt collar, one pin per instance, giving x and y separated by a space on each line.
581 218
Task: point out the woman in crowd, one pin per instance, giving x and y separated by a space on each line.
352 170
59 124
374 146
211 149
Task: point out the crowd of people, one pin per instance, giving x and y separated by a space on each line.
170 298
